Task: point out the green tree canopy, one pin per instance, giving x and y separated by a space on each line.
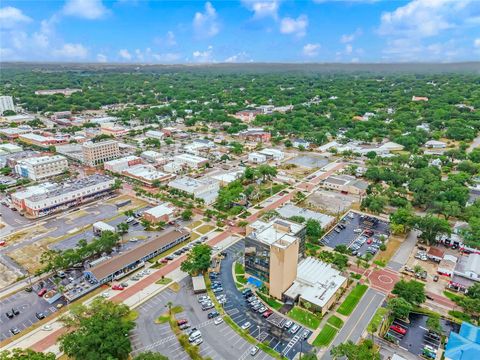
412 291
198 260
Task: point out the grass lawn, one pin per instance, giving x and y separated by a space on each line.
452 296
163 281
377 318
305 317
194 224
393 244
274 304
205 229
241 279
335 321
352 300
325 336
239 270
460 316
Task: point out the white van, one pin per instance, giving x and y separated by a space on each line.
194 336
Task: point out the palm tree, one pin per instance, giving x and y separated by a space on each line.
169 306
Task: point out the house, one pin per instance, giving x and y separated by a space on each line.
346 184
300 142
247 115
419 98
435 254
465 345
257 158
434 144
161 213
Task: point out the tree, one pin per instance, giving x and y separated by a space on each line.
267 171
123 228
198 260
97 331
434 325
431 227
399 307
374 203
363 351
313 229
403 216
187 214
417 269
149 355
169 305
26 354
412 291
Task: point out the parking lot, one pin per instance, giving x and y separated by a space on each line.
280 339
358 232
417 337
27 303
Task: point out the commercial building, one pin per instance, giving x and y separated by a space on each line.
162 213
255 134
205 188
256 158
100 227
14 133
247 115
96 153
154 157
66 92
272 154
18 119
118 165
465 345
272 251
153 134
289 210
297 143
146 174
113 129
447 265
198 146
42 141
317 284
48 198
469 267
43 167
226 176
198 284
121 265
189 160
345 184
6 103
435 144
8 148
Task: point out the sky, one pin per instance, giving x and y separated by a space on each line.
167 32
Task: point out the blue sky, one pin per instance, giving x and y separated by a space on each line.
141 31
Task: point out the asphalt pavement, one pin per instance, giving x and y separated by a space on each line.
400 258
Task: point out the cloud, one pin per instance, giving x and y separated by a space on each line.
406 49
311 50
11 17
476 43
348 38
125 54
71 51
427 18
86 9
262 9
348 48
241 57
296 26
170 40
203 56
101 58
167 57
205 24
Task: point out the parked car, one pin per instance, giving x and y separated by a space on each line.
435 278
42 292
288 324
213 314
15 311
254 350
246 325
294 329
398 329
117 287
14 331
184 326
267 313
306 334
218 321
9 314
198 341
40 315
181 321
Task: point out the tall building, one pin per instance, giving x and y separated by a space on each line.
272 251
99 152
39 168
6 103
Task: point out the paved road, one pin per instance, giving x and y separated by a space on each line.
358 320
475 144
401 256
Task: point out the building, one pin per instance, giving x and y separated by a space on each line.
10 148
154 157
447 265
198 146
273 154
198 283
152 134
419 98
272 251
162 213
61 115
189 160
43 167
346 184
469 267
96 153
146 174
435 254
317 284
100 227
112 129
119 266
434 144
118 165
42 141
18 119
14 133
49 198
226 177
6 103
256 158
255 134
66 92
287 211
465 345
204 188
247 115
297 143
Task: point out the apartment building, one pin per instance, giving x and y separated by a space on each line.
99 152
48 198
272 252
6 103
43 167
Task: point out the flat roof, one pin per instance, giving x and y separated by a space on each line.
199 283
289 210
117 263
268 232
160 210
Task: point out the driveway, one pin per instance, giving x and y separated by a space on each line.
401 256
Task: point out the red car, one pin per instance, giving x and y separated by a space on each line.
42 292
369 241
181 321
3 243
117 287
267 313
398 329
164 261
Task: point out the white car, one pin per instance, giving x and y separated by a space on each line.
254 350
218 321
105 294
246 325
357 231
198 341
47 327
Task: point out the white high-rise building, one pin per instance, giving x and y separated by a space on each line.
6 103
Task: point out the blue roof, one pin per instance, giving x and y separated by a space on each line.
465 345
255 282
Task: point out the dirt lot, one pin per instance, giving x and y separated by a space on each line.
7 276
331 202
393 244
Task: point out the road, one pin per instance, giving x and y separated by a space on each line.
358 320
475 144
401 256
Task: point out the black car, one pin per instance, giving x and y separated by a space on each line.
213 314
15 311
9 314
28 289
40 315
14 331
